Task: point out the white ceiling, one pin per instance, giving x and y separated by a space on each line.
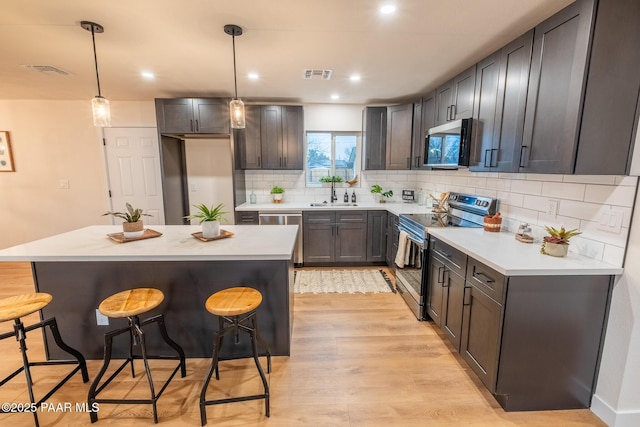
183 43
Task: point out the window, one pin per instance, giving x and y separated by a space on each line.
332 154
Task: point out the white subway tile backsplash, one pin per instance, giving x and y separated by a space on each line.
499 184
541 177
581 210
536 203
561 190
606 194
629 181
523 215
478 182
526 187
587 247
517 176
558 221
511 199
592 231
590 179
613 255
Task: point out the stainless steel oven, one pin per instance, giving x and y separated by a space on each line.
411 276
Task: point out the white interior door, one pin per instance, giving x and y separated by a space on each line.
133 164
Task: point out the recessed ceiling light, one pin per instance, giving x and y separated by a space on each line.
355 77
147 75
335 96
253 76
388 9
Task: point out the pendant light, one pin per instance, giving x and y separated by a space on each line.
99 104
236 106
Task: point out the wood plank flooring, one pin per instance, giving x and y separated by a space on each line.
357 360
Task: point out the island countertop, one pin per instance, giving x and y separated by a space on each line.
249 242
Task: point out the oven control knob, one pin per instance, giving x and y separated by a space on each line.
485 204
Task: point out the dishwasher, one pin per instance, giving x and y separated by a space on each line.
286 218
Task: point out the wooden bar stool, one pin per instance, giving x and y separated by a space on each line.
229 305
130 304
13 308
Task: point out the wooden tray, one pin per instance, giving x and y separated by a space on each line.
223 235
148 234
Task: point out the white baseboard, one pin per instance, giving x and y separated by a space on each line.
612 418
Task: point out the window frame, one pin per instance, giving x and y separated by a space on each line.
334 134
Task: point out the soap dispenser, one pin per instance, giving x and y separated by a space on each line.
353 196
252 198
346 196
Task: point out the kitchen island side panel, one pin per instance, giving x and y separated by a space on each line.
552 341
79 287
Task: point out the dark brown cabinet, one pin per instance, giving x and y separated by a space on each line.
374 137
454 99
500 100
392 239
247 217
192 116
399 137
445 288
376 236
334 237
281 136
558 70
272 138
424 115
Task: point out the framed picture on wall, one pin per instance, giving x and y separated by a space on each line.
6 158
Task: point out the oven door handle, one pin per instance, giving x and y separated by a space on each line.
419 243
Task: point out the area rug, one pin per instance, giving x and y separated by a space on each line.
341 281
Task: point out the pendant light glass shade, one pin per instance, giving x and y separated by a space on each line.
236 107
99 104
101 111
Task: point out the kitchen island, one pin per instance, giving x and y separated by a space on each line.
82 267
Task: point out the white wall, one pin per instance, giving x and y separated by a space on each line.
54 140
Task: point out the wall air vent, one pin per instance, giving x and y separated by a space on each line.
47 69
310 74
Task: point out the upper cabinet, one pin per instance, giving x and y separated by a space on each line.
558 67
500 100
272 138
399 136
192 116
454 99
374 137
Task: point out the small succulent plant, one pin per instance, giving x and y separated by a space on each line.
132 215
560 237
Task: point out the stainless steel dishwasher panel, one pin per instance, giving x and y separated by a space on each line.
286 218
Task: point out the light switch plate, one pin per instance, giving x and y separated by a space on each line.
101 319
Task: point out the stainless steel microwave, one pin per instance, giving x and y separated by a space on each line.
448 146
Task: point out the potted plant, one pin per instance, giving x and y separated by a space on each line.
277 193
557 242
209 219
330 179
132 225
377 190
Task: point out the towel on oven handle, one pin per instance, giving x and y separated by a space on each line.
403 249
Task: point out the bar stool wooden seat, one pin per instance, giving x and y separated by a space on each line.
130 304
13 308
229 305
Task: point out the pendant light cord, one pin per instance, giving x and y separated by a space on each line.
235 79
95 58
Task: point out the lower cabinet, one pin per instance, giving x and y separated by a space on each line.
335 237
247 217
376 236
392 239
534 341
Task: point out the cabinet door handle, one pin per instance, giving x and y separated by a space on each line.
197 126
466 296
524 147
445 283
367 163
408 162
487 155
483 277
491 163
285 162
448 113
259 162
191 125
453 112
440 274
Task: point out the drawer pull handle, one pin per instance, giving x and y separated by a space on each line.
483 277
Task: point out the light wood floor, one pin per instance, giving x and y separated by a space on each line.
357 360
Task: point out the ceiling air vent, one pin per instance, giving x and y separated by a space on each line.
317 74
47 69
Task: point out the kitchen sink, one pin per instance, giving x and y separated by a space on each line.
327 205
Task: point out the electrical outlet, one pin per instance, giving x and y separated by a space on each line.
101 319
64 184
552 208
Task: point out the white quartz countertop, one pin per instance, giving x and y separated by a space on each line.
502 252
396 208
249 242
